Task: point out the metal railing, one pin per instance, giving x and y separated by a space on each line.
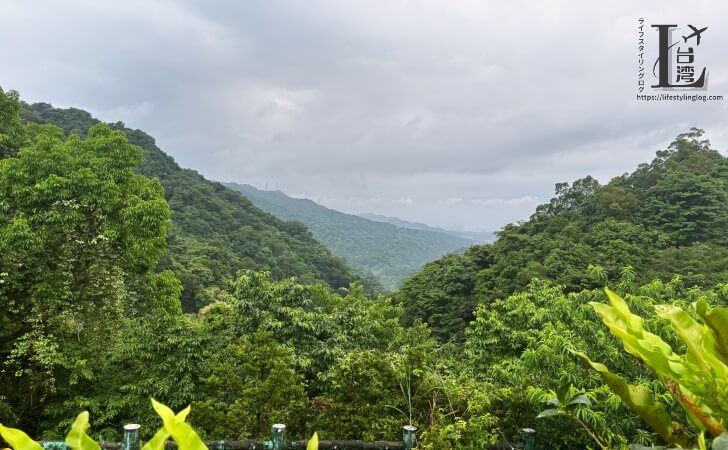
131 441
278 441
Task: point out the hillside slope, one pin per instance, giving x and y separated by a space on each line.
389 252
480 237
667 217
215 230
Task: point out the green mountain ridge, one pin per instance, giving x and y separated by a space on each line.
479 237
667 217
216 231
389 252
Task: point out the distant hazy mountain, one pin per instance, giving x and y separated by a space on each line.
389 252
476 236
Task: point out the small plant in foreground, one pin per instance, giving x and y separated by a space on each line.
174 427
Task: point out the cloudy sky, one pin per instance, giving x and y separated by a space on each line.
456 113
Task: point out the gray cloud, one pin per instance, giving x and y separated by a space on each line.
453 113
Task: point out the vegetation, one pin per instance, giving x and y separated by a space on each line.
215 231
473 236
97 259
389 252
698 380
173 426
667 217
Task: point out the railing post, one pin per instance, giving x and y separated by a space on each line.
54 445
528 437
278 436
131 437
409 438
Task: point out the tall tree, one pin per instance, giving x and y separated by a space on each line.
80 232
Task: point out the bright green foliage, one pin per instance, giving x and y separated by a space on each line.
17 439
319 325
313 442
154 356
281 356
459 413
158 441
361 387
77 438
181 432
524 340
697 379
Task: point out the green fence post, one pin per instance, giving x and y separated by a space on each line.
409 438
278 436
131 437
528 437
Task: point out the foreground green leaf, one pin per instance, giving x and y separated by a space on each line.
160 437
641 401
77 438
18 440
548 413
313 442
182 433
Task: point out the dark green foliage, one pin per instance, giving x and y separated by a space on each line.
92 319
440 294
12 133
524 341
252 384
667 217
215 231
389 252
80 232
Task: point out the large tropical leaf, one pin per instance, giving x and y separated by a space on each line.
717 320
182 433
77 438
642 402
648 347
18 440
702 348
313 442
697 390
160 437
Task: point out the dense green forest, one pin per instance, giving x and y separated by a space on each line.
389 252
101 235
215 231
667 217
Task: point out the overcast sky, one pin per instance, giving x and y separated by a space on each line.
451 112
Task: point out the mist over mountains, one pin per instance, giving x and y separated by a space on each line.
389 248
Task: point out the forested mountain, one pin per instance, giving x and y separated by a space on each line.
479 237
389 252
215 231
89 322
667 217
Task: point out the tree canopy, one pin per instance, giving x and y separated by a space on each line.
665 218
